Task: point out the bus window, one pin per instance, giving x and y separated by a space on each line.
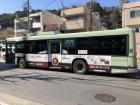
69 46
3 49
83 45
55 47
109 45
42 47
32 47
20 47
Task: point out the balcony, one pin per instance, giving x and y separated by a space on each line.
73 11
74 24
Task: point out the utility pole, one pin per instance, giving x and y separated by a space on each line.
15 26
28 15
91 18
62 15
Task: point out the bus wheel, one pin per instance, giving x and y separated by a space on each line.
80 67
22 63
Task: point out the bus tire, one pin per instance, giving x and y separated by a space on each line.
22 63
80 67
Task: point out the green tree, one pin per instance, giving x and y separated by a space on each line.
96 7
112 17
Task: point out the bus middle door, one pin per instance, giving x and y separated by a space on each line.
54 55
10 53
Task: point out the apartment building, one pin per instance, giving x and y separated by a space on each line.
79 19
131 15
41 21
131 18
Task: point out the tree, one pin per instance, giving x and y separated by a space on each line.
96 7
112 17
57 12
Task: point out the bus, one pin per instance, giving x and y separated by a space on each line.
110 51
3 51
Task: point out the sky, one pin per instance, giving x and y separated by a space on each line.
10 6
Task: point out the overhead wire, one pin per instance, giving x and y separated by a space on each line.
52 2
46 6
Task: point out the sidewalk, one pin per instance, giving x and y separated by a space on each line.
1 103
12 100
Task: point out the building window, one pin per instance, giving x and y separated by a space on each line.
36 19
31 46
135 13
132 14
75 17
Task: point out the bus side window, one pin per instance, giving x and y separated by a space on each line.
20 47
64 51
109 45
83 45
42 47
31 47
69 46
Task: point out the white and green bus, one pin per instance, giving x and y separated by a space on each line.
110 51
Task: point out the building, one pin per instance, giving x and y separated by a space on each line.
131 18
131 15
123 2
41 21
6 33
79 19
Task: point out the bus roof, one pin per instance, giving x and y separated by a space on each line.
46 35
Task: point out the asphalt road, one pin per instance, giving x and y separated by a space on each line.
50 87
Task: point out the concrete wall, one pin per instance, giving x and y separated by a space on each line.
74 24
46 18
74 19
133 22
49 19
79 19
73 11
126 20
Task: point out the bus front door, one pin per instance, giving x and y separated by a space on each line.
54 55
10 53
